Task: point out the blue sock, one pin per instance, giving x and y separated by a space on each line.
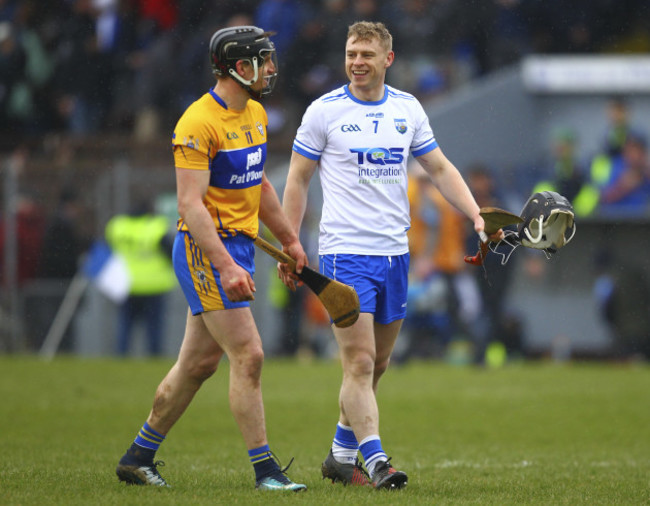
372 452
149 438
144 447
345 446
263 462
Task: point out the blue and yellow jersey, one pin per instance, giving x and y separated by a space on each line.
232 146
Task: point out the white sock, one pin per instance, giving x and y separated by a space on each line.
344 445
372 452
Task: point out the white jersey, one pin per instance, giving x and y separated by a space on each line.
362 149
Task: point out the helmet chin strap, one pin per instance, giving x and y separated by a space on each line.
532 239
247 84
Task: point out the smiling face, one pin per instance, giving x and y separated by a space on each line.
366 61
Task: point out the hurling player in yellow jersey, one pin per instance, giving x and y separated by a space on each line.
219 151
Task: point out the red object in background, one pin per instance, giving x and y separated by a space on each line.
164 12
30 226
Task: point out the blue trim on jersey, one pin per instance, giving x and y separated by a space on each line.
332 98
363 102
433 144
422 144
306 151
406 96
218 99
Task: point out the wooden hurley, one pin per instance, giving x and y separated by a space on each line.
341 301
495 219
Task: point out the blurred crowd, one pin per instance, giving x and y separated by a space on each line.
614 181
83 66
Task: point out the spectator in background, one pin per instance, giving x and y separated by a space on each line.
567 174
496 325
25 71
7 9
156 82
437 247
83 73
285 17
622 292
308 61
616 133
63 245
30 224
12 69
142 239
628 190
618 127
23 218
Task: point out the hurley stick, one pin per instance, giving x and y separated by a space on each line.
341 301
495 219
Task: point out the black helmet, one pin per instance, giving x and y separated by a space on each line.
548 222
248 43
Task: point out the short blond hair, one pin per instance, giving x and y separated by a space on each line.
367 30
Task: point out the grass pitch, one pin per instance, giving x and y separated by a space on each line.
524 434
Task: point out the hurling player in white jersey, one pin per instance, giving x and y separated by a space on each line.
360 137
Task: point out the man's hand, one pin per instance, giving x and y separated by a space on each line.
288 277
486 236
237 283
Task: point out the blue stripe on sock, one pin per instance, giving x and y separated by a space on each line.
259 454
149 438
345 438
371 450
263 462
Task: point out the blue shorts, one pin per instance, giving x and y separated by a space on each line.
200 281
381 282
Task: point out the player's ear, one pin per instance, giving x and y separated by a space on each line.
241 66
390 57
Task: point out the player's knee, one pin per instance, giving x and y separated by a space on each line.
360 365
202 369
249 360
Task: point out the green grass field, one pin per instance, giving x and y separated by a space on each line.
524 434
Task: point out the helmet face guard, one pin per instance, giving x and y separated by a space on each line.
244 43
549 222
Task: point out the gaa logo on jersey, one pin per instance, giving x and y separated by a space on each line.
400 125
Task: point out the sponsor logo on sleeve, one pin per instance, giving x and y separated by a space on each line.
191 142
